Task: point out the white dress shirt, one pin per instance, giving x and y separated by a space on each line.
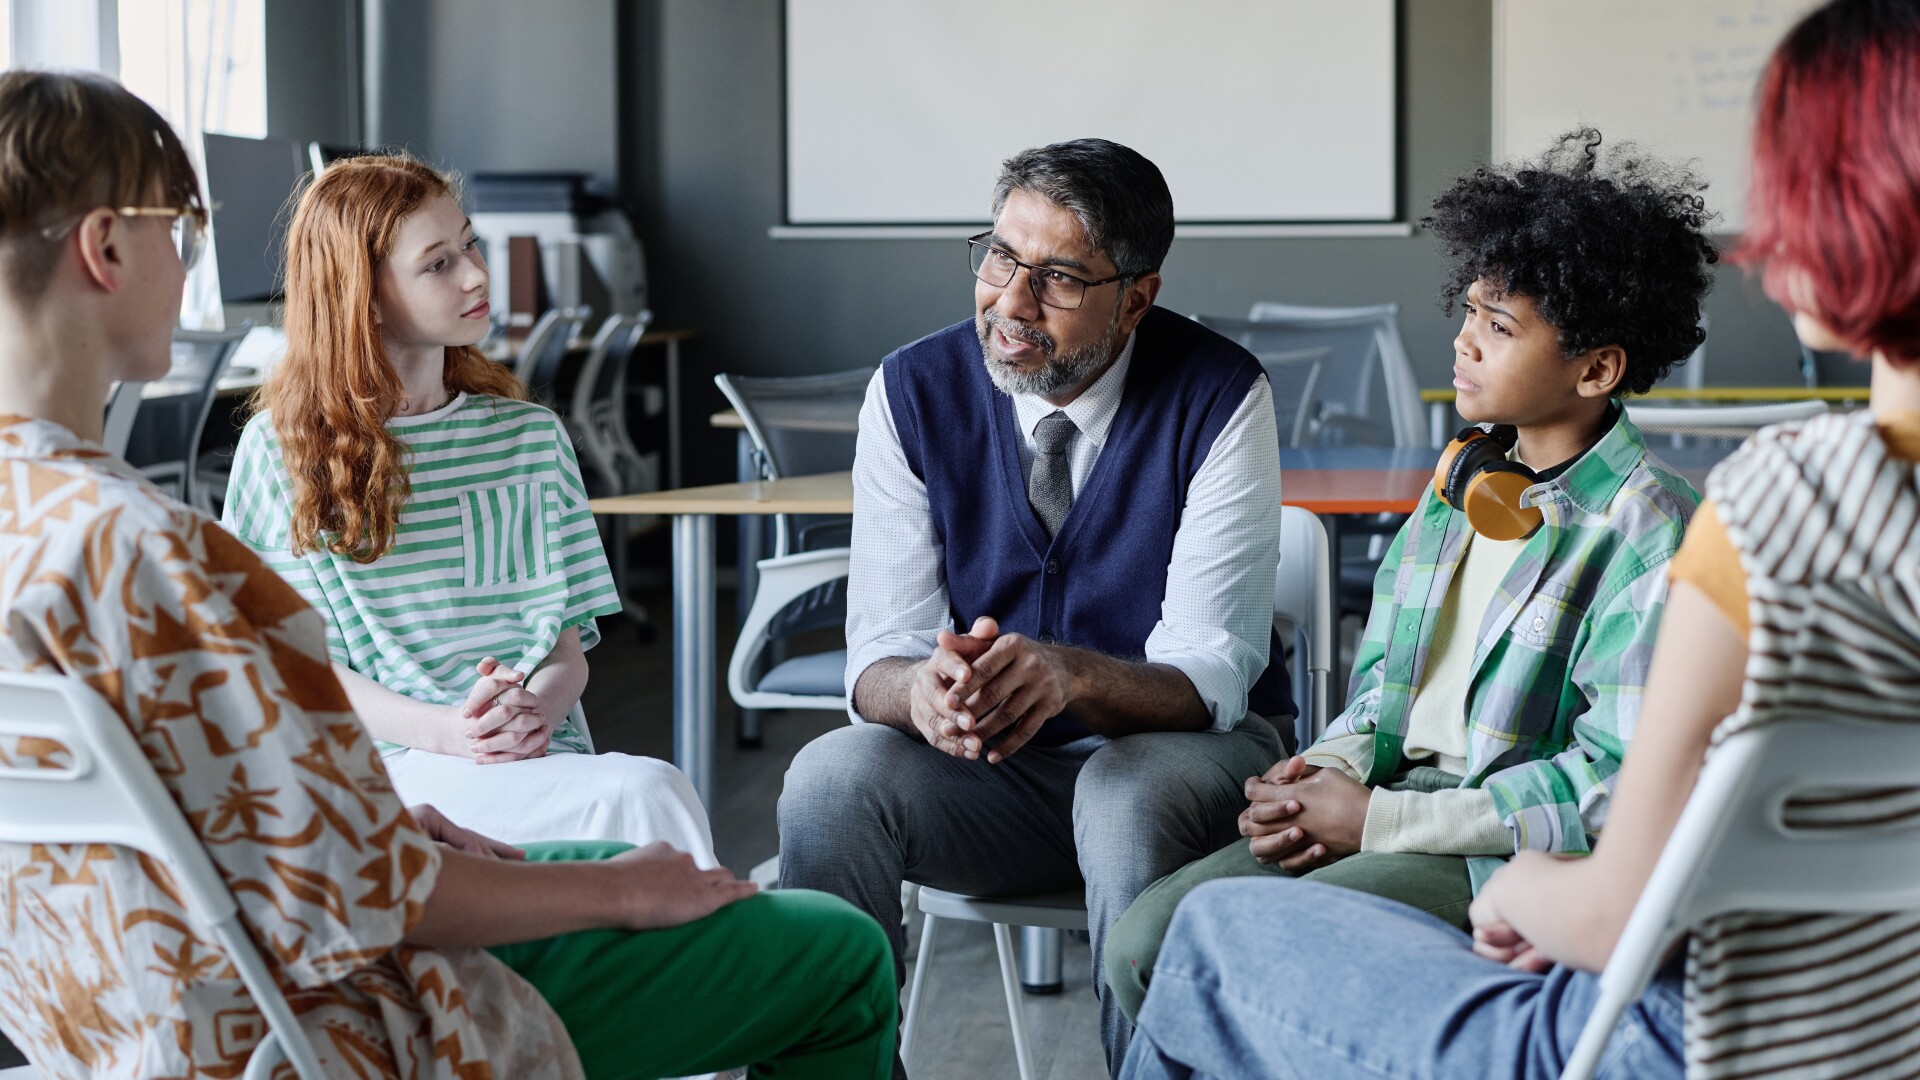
1216 618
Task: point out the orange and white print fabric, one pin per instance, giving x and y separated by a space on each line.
221 670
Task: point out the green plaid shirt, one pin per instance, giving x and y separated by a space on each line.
1563 646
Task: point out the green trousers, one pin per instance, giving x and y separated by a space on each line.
796 984
1437 884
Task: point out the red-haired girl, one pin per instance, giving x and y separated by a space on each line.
406 487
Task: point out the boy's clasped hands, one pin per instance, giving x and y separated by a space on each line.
1304 816
504 720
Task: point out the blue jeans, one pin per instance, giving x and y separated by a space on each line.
1283 978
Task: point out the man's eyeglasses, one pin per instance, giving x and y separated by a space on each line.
1054 288
189 229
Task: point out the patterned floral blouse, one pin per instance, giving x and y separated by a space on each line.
221 670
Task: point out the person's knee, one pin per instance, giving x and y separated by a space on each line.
836 774
643 780
833 931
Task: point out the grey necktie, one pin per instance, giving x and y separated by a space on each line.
1050 484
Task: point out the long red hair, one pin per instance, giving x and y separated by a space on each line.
1834 209
332 395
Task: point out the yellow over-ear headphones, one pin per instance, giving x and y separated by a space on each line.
1476 478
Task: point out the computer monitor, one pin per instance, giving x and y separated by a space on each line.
250 182
320 155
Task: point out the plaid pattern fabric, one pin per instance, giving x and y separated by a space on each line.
1563 647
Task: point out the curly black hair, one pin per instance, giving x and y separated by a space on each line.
1610 247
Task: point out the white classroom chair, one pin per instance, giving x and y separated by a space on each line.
1303 596
109 794
1732 850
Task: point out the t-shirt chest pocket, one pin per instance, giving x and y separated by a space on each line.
504 534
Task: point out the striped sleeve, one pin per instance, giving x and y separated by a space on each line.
573 534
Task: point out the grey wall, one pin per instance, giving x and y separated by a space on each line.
310 71
701 156
502 85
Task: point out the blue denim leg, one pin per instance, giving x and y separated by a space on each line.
1283 978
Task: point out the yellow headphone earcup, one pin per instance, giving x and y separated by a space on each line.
1493 505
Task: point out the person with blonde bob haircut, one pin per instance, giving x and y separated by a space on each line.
405 486
408 946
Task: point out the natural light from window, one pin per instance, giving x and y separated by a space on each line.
198 56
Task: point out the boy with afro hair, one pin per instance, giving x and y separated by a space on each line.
1499 679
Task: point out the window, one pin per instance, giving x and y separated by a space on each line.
202 63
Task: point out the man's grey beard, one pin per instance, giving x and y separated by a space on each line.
1061 370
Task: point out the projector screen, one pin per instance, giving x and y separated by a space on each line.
1256 111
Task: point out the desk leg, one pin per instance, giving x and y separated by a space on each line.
694 671
673 414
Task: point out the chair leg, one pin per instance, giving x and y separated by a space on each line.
913 992
1594 1037
1010 984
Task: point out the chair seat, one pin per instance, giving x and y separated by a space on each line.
1054 911
821 674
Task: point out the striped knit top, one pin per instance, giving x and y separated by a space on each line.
1826 523
495 552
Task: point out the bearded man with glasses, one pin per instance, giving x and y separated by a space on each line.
1059 615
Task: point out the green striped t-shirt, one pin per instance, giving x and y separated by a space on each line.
495 552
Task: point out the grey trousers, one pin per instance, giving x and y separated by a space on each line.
868 806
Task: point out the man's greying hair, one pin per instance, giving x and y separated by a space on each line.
1119 197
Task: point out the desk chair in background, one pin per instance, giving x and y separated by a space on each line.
597 420
1367 396
1303 601
1705 434
108 794
165 441
1735 848
123 404
798 426
538 364
1293 371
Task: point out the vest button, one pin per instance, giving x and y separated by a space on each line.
1053 566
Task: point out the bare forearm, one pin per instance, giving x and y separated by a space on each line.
562 678
882 695
480 902
395 717
1121 697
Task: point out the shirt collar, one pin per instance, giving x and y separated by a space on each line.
1092 412
1592 480
29 438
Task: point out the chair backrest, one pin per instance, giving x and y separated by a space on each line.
801 425
104 791
1719 421
123 404
170 437
1367 390
538 364
597 415
1303 596
1733 849
1294 373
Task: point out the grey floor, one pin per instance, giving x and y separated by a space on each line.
964 1028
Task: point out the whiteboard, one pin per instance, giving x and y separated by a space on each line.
1675 76
899 112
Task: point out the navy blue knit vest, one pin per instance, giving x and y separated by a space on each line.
1099 582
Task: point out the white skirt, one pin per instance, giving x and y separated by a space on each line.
562 796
